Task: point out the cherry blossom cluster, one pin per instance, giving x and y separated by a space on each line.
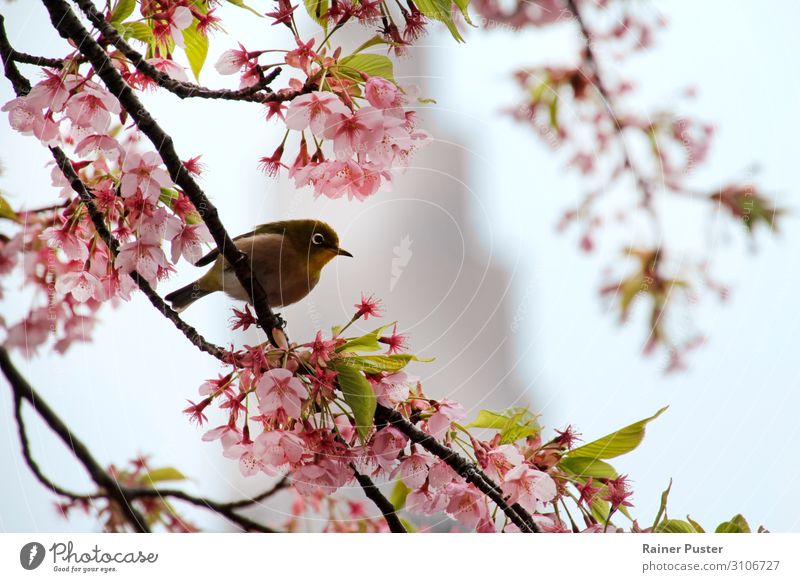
586 114
363 118
63 258
307 413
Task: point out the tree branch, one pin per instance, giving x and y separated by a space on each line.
224 509
110 487
469 471
180 88
18 81
22 87
597 80
374 494
115 491
68 26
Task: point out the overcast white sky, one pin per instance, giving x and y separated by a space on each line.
730 437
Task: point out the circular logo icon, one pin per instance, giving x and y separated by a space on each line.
31 555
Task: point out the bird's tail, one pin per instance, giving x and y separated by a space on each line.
185 296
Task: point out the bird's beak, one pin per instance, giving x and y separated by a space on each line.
343 253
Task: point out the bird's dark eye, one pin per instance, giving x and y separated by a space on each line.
317 239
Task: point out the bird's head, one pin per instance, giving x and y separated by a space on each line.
315 240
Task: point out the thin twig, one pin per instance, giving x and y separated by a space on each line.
374 494
596 78
69 26
223 509
28 456
115 491
255 93
110 487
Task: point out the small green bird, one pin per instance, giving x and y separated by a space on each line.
286 257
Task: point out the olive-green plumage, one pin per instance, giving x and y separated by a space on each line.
286 257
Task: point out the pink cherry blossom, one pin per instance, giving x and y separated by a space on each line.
497 462
313 110
170 68
391 389
143 172
67 240
232 61
447 412
302 56
82 285
278 449
52 93
354 132
381 93
144 256
181 18
467 505
327 475
426 501
414 470
386 445
528 487
21 114
280 389
100 143
92 108
188 243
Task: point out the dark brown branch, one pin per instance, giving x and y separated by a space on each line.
115 491
68 26
20 83
280 485
79 187
110 488
28 456
468 470
224 509
374 494
181 89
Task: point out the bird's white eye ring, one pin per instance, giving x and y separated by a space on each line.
317 239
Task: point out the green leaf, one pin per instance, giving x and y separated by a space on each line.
387 363
163 474
399 494
136 30
372 65
375 40
6 211
440 10
462 5
617 443
196 48
513 423
737 524
366 343
698 528
663 507
317 10
241 4
359 396
554 113
600 509
674 526
122 10
584 467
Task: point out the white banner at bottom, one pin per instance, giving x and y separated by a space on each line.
387 557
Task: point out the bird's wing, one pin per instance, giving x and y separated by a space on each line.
269 228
